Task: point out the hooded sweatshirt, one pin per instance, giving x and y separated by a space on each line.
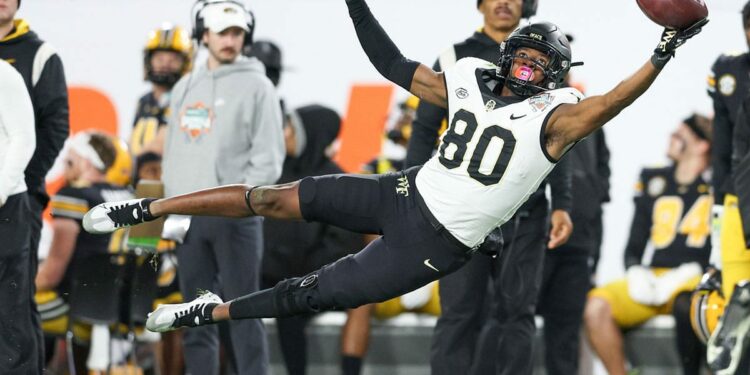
224 128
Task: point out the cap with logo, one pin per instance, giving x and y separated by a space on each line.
219 17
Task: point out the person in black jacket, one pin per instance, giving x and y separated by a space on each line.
297 248
566 277
42 71
726 348
728 84
510 330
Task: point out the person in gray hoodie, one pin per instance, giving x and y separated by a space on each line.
224 127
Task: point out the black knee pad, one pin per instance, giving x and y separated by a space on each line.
307 190
296 296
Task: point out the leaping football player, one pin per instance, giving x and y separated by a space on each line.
509 124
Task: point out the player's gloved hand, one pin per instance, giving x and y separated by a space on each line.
671 39
493 244
717 217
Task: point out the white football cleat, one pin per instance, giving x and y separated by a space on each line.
191 314
110 216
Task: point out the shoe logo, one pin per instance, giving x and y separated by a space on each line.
308 281
514 117
135 213
403 186
427 263
197 320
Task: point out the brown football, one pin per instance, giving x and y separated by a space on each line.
678 14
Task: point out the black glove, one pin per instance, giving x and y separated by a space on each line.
493 243
671 39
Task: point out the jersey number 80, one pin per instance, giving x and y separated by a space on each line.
461 141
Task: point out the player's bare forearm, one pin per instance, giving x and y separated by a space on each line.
429 86
278 201
226 201
576 121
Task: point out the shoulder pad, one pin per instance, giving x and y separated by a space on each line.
653 181
656 170
568 93
474 63
448 58
726 58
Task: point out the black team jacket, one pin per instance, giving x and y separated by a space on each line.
42 71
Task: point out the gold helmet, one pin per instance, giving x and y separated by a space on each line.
707 305
121 170
167 38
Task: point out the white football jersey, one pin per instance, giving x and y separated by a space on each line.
491 158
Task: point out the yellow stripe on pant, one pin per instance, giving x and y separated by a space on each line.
735 258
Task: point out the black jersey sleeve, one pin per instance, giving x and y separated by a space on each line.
741 165
602 164
424 130
721 149
640 228
561 186
741 142
50 96
70 203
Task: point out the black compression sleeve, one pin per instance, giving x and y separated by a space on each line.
561 186
380 49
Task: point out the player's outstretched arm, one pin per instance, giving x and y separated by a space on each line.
571 123
417 78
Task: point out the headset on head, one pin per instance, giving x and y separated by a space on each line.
198 24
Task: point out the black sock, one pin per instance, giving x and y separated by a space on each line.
207 313
351 365
288 298
256 305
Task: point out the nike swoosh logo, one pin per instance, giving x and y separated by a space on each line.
427 263
514 117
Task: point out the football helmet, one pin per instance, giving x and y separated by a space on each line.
122 169
707 305
167 38
270 55
547 38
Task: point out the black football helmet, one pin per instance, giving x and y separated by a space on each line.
547 38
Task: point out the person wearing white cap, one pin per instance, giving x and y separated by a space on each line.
224 127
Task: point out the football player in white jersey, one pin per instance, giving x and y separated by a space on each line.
432 219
